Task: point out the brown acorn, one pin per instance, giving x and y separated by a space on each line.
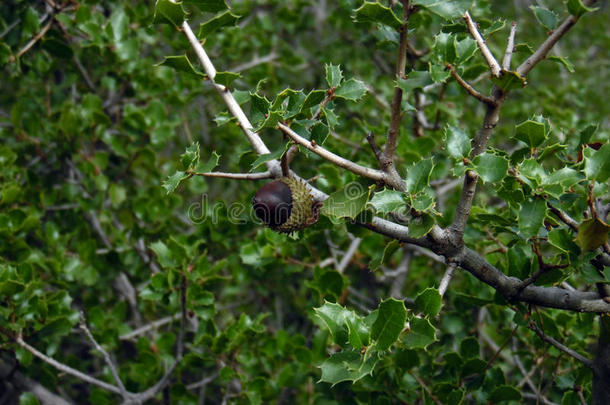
285 205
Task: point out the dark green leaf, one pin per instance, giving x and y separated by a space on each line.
375 12
445 9
577 8
547 18
420 334
222 20
490 167
351 89
169 12
531 132
458 142
418 175
597 163
531 217
180 63
592 233
389 323
333 75
429 302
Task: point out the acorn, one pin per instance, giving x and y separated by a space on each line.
285 205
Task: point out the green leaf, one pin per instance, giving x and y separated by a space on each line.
180 63
210 164
27 398
169 12
423 201
351 89
5 53
390 321
387 201
466 49
190 157
164 254
173 181
226 78
563 240
222 20
562 60
509 80
421 225
531 216
333 75
208 6
443 8
347 366
592 233
377 13
347 202
531 132
388 251
259 107
597 163
319 132
421 333
444 47
418 175
314 98
267 157
504 393
334 317
414 80
490 167
577 8
429 302
458 142
547 18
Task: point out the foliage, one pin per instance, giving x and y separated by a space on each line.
109 127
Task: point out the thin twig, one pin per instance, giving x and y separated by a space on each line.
33 41
287 159
232 104
237 176
376 151
396 112
84 72
565 218
425 387
349 254
66 369
257 60
548 44
442 288
115 374
471 90
510 45
533 326
331 157
494 66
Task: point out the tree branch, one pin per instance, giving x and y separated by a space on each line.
444 284
510 45
471 90
115 374
331 157
494 66
533 326
548 44
387 160
237 176
66 369
235 109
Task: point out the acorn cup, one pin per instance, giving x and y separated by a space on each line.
285 205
